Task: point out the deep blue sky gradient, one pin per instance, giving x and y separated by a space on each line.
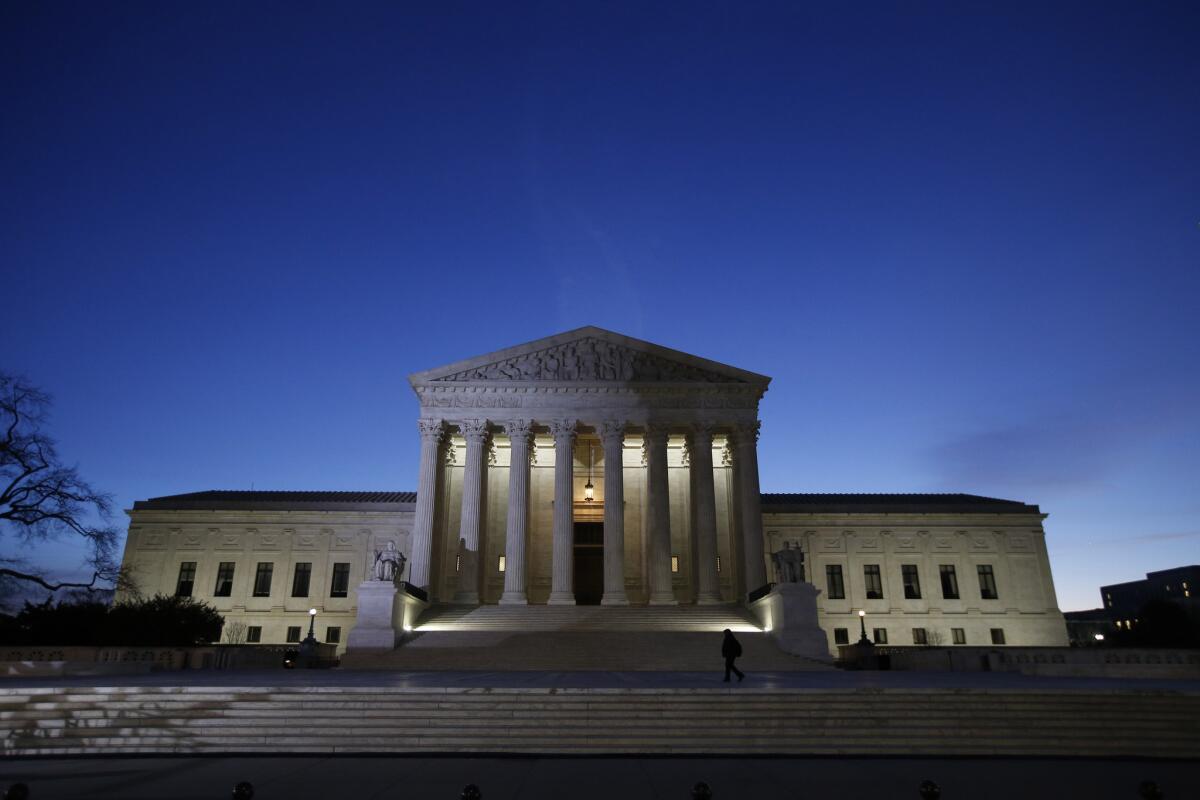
962 238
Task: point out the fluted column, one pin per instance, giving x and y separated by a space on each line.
520 436
562 577
612 434
746 455
708 591
658 498
475 431
432 431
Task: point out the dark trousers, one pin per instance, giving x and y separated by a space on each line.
729 665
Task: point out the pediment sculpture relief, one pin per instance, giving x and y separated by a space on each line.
589 359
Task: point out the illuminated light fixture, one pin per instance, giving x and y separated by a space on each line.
589 491
1099 637
312 621
500 564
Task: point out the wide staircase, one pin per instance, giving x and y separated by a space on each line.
190 718
573 638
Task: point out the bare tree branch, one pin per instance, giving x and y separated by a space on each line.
54 587
43 498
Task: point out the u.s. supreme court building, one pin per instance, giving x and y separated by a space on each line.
590 468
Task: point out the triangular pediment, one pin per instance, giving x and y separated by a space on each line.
588 355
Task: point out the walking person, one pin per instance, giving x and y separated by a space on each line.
731 649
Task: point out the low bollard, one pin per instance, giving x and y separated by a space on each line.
929 790
243 791
18 791
701 791
471 792
1148 790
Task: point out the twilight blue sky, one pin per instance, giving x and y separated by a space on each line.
962 238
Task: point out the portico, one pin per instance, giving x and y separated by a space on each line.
676 440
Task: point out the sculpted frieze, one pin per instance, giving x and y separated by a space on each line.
589 359
584 400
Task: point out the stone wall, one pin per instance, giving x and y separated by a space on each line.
1025 608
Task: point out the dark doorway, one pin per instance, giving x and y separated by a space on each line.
589 563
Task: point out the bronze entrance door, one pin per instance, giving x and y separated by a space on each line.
589 563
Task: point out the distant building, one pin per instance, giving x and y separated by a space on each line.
1090 628
1124 601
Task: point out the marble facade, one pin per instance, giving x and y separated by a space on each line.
509 444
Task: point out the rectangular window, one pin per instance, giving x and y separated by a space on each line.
458 563
833 581
333 634
841 636
293 634
500 565
187 579
912 581
262 579
874 582
997 635
949 582
300 578
340 585
718 565
959 635
254 634
224 587
880 635
919 636
674 563
987 582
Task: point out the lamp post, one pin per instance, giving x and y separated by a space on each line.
308 648
862 622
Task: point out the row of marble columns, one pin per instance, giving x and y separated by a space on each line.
612 435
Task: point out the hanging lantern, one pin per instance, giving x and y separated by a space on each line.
589 491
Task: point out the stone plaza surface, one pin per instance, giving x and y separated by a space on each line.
532 778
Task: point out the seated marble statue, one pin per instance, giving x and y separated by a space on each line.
389 563
789 564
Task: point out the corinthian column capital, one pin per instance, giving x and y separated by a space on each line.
431 429
474 430
701 433
745 434
519 428
657 431
612 432
564 429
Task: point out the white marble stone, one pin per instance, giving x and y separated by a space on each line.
789 614
520 502
375 628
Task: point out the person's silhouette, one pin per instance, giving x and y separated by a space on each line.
731 649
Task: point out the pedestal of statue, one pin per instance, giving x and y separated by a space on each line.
789 613
374 629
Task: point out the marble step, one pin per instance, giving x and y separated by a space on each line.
574 650
342 719
524 618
